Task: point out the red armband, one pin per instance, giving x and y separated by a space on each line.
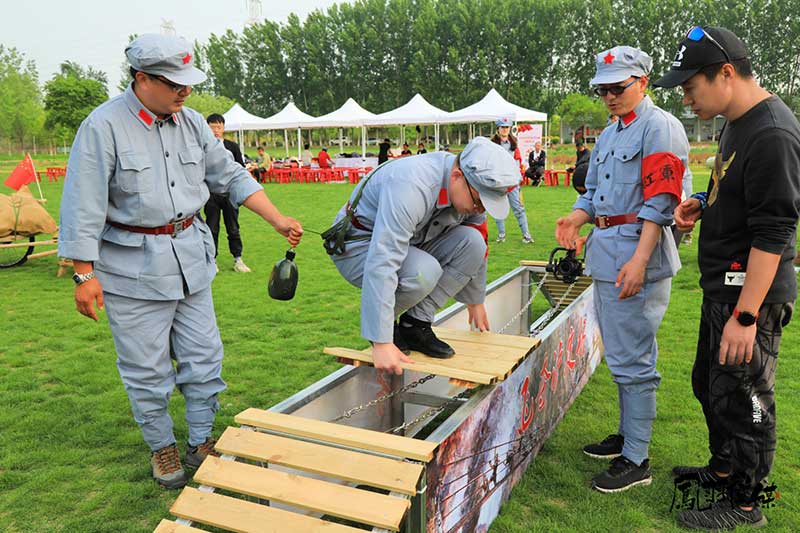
662 172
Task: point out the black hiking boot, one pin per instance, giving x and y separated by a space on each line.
609 448
622 475
418 335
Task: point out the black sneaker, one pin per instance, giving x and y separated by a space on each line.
703 475
622 475
418 335
610 448
721 516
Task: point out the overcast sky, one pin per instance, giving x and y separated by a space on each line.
95 32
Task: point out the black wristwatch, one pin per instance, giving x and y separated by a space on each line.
80 279
744 318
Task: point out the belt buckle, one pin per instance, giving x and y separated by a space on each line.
177 227
602 222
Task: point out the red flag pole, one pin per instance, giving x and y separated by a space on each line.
36 179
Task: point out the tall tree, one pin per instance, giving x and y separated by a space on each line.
21 114
69 98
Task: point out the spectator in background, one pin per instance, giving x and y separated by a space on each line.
421 149
324 159
385 151
582 157
504 138
261 164
307 155
220 203
405 151
536 163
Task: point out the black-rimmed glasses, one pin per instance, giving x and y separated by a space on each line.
697 33
616 90
475 203
173 86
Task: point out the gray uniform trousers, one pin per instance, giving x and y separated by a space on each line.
430 274
148 334
628 328
519 212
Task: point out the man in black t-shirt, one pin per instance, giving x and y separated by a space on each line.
747 243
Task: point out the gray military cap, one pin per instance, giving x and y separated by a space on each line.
491 170
620 63
164 55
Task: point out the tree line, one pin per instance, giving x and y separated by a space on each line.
536 53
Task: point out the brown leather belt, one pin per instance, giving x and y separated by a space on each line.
173 228
604 221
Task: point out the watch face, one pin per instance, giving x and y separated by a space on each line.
746 319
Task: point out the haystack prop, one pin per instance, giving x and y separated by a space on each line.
22 218
437 449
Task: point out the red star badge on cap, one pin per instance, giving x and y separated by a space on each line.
608 59
187 58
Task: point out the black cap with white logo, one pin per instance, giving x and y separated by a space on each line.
701 47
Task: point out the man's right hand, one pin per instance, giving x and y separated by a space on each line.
86 294
386 356
686 214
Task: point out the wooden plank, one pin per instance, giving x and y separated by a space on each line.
529 263
472 349
341 501
487 339
364 439
433 367
241 516
362 468
168 526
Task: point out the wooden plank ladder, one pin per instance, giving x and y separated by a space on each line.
315 468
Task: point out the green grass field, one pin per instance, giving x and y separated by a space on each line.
72 459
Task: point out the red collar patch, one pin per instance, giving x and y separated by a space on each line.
627 119
511 188
444 198
146 117
187 58
174 118
608 58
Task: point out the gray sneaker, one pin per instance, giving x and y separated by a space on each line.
167 469
527 239
195 455
501 238
239 266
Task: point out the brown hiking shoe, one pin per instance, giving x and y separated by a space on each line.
167 469
195 455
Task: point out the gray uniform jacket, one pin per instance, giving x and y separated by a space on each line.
405 203
614 187
128 167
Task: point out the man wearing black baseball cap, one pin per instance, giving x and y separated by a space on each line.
746 247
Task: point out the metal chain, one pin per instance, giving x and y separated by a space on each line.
527 305
433 411
383 398
554 310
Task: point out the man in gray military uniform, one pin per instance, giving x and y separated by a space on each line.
140 169
633 185
418 238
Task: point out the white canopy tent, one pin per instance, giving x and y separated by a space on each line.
350 115
289 117
492 107
416 111
239 120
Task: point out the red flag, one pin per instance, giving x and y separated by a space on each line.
22 175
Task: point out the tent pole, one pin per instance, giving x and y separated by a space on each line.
341 145
436 137
286 142
363 141
299 142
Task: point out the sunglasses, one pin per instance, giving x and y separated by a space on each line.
174 86
616 90
697 34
